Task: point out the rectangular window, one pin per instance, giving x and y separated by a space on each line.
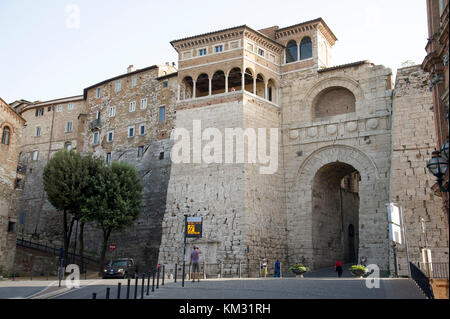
11 227
202 52
131 131
95 141
260 52
133 81
59 108
98 93
112 111
162 114
70 106
441 7
165 84
140 151
187 55
133 106
35 155
142 129
143 104
234 44
218 48
118 86
110 136
108 158
40 112
69 127
38 131
161 156
97 117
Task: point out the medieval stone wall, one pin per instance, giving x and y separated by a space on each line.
213 191
413 141
10 189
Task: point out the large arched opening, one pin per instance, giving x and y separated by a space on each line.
335 214
334 101
235 80
248 80
202 85
218 83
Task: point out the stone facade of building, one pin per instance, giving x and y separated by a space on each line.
11 182
436 64
413 141
50 126
320 193
254 216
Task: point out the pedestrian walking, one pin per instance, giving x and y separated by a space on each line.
338 268
195 258
264 269
277 269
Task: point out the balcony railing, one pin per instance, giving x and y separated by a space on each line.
95 124
434 270
421 280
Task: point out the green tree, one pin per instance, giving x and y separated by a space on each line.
64 181
114 202
91 167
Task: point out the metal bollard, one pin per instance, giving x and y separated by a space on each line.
148 284
175 276
153 284
128 288
162 283
204 270
107 292
94 295
136 284
157 280
119 286
143 286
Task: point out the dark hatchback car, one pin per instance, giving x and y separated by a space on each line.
120 268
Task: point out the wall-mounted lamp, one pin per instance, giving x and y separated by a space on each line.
438 166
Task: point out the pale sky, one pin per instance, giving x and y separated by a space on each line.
45 54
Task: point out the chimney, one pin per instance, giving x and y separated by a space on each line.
167 63
174 64
130 68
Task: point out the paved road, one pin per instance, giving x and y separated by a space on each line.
21 289
269 288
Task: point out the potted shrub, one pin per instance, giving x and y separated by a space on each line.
299 269
358 270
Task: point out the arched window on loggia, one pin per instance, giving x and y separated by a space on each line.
305 48
291 51
218 83
202 85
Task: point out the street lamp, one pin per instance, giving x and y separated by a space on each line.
438 167
444 152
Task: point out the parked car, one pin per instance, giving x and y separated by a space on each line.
120 268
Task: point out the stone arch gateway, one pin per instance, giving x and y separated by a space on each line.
303 228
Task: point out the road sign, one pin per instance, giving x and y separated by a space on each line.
112 247
194 227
